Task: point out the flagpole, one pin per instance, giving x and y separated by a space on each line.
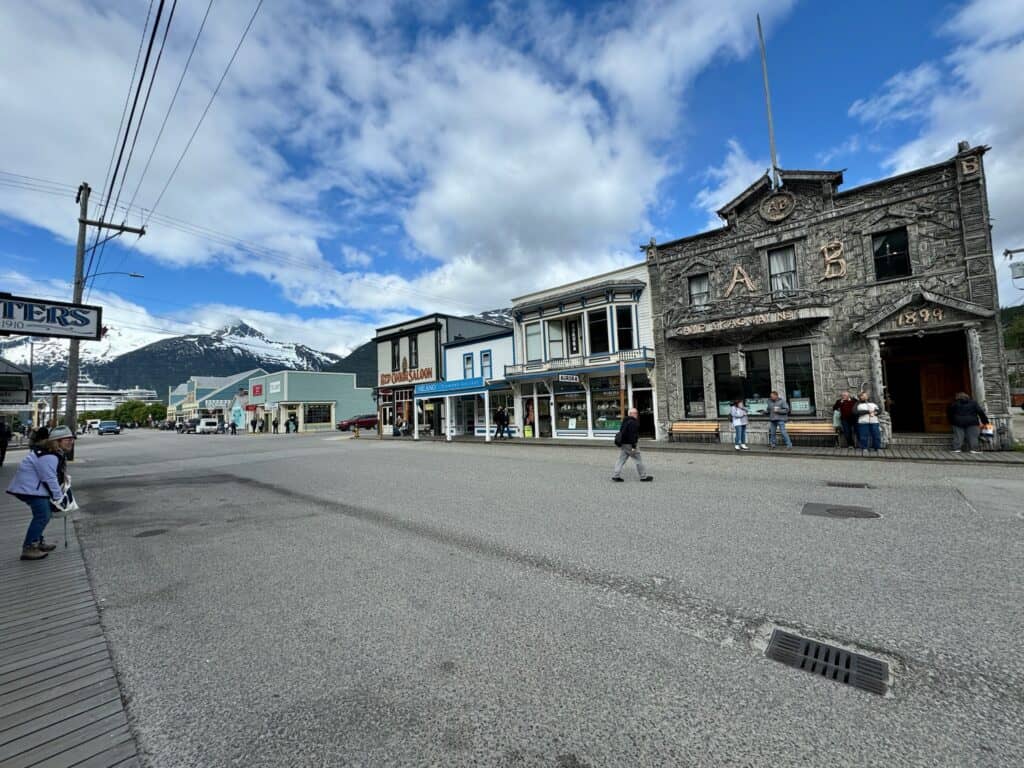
768 103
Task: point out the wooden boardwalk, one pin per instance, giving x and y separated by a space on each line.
60 704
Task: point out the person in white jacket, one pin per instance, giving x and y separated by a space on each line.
39 481
739 424
869 433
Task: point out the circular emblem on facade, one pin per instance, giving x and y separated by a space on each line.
777 206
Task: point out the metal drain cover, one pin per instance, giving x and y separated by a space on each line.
838 510
843 484
829 661
151 532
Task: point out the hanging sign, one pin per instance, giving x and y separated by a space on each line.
569 378
40 317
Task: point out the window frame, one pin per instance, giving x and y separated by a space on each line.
467 358
795 271
539 339
486 371
414 351
875 236
396 355
607 333
625 309
551 325
684 387
810 374
690 292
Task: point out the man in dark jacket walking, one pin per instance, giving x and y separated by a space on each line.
629 435
966 417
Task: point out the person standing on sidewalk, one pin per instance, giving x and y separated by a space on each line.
39 481
501 423
778 415
869 433
739 423
5 438
626 440
966 418
845 406
275 424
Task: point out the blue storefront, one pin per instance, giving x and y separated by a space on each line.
467 405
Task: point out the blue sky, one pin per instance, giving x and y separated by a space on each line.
367 162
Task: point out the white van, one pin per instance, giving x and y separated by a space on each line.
93 424
206 427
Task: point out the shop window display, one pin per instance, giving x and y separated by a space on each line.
799 375
316 413
604 395
693 387
570 407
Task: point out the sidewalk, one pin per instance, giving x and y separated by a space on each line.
60 704
897 453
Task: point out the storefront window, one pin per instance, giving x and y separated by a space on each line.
556 345
624 327
316 413
799 379
758 383
534 348
597 327
570 407
693 387
604 394
727 386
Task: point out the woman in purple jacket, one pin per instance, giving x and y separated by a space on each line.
39 481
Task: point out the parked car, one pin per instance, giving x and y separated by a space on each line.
366 421
207 427
188 426
108 428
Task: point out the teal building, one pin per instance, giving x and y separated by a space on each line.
310 401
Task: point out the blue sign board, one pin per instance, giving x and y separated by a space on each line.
436 387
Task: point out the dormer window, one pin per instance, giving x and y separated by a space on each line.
700 290
892 254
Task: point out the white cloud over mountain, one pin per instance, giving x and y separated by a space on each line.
505 171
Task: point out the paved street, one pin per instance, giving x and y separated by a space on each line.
321 601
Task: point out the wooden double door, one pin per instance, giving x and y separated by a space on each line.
922 375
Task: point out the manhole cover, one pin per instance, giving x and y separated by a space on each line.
838 510
841 484
151 532
830 662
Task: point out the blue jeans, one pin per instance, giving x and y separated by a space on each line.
869 436
741 434
40 506
849 428
781 427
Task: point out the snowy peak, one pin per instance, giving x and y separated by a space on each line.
240 330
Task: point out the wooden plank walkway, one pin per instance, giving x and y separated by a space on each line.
60 704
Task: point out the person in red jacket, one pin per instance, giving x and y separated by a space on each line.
847 406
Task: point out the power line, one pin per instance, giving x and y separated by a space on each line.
109 182
142 114
170 106
207 109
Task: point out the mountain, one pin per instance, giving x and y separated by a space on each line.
362 361
168 361
498 316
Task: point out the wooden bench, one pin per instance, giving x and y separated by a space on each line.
705 431
823 430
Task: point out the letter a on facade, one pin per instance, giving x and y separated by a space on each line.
739 275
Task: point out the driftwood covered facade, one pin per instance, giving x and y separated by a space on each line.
889 287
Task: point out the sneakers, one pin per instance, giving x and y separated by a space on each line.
42 546
618 480
975 451
738 448
957 450
745 447
33 553
647 479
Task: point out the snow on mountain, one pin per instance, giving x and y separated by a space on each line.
46 352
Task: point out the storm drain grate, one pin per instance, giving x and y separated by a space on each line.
838 510
829 662
842 484
151 532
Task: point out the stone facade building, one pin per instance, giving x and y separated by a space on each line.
889 287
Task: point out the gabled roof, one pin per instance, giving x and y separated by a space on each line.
966 307
765 182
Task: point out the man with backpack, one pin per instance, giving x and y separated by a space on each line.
626 440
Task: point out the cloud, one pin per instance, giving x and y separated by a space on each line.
980 98
849 146
510 149
905 95
728 180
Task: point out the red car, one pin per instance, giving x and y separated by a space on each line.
368 421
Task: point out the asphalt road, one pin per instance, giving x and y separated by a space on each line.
316 601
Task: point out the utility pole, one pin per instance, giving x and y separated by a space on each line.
82 198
